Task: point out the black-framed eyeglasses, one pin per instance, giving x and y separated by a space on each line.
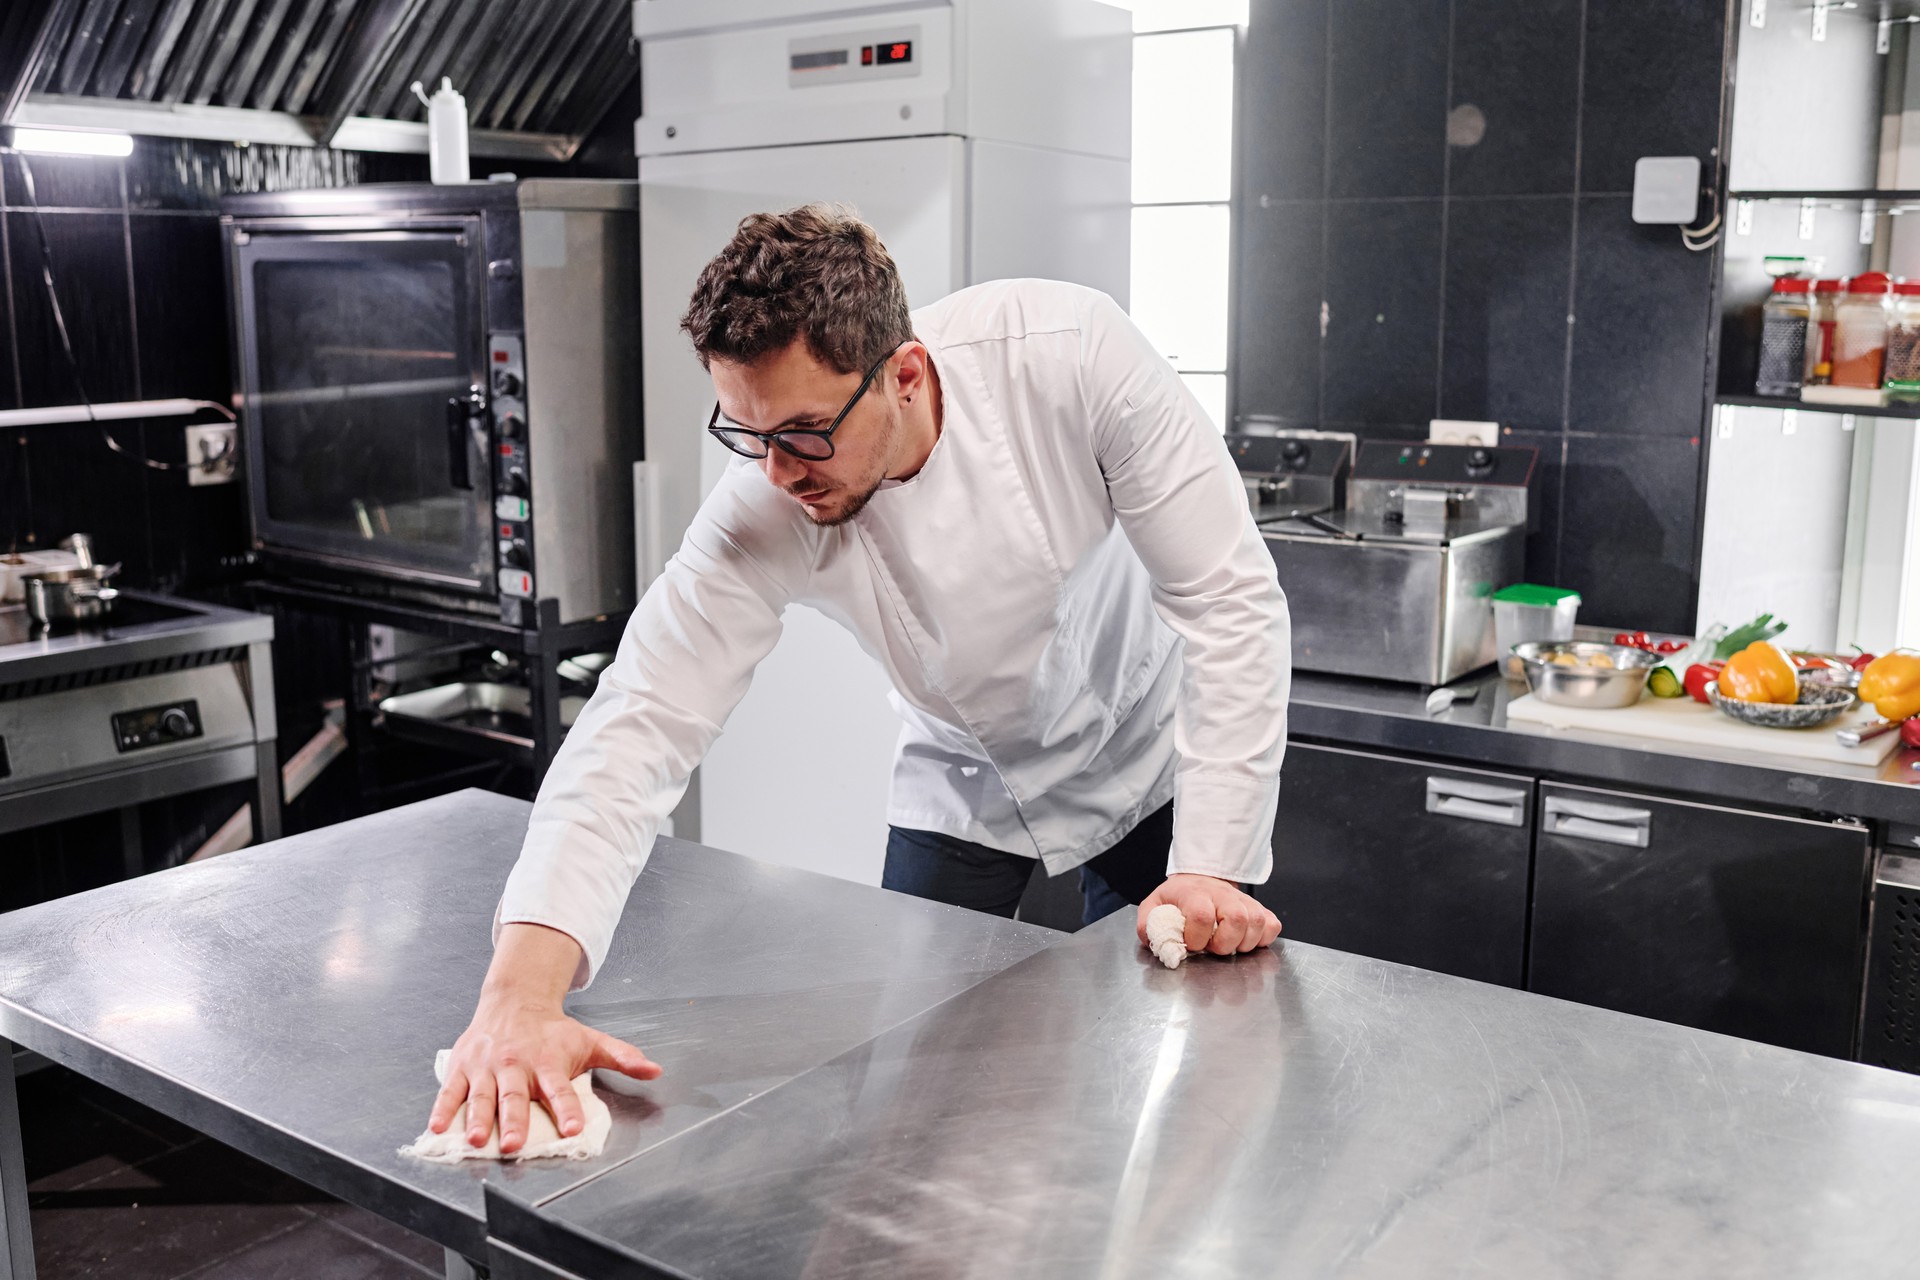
815 444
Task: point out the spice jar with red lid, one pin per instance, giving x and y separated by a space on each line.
1860 331
1826 298
1903 343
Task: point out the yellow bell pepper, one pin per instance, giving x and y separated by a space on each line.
1760 673
1891 683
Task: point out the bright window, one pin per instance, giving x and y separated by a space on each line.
1183 63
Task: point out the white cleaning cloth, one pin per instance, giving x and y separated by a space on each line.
543 1136
1167 934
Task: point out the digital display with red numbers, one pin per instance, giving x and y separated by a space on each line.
887 55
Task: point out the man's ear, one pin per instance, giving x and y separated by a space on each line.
910 375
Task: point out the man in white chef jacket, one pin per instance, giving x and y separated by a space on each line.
1021 512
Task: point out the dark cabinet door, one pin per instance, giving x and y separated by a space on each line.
1403 861
1745 923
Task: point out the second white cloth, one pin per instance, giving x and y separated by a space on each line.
544 1140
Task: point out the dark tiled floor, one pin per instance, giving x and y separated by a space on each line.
118 1192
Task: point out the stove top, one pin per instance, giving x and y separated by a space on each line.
141 626
129 613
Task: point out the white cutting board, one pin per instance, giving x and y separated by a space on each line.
1682 720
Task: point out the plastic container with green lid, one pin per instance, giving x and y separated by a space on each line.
1524 612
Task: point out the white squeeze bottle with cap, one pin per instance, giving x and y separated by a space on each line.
446 131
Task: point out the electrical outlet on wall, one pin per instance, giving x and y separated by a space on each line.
212 451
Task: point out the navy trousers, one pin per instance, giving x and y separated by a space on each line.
961 873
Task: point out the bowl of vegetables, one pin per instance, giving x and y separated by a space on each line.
1579 673
1817 701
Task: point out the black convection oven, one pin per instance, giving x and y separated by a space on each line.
439 389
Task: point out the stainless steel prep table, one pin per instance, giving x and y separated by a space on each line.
288 1000
1294 1112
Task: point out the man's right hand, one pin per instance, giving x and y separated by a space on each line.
521 1047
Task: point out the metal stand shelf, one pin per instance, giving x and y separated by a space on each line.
543 645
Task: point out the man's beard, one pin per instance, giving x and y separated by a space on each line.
854 508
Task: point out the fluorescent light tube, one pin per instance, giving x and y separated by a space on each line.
72 142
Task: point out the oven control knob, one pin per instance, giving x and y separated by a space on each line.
513 552
506 383
1479 462
512 426
515 482
175 724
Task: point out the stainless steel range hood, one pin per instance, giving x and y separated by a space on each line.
538 75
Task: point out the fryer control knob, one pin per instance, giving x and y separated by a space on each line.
512 426
513 552
1479 462
515 482
1293 455
506 383
175 723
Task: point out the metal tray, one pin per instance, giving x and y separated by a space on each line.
476 716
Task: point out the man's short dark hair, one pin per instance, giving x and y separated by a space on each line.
816 272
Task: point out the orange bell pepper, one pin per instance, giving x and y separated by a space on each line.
1761 672
1892 684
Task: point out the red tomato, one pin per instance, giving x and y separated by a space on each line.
1698 676
1910 732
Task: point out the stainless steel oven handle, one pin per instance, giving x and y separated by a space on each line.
461 411
1591 820
1477 801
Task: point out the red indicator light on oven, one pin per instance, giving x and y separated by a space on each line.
866 55
499 357
506 451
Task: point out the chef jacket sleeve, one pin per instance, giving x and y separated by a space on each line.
684 663
1178 495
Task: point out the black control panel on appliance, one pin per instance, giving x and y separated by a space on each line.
1445 463
156 726
1275 454
512 479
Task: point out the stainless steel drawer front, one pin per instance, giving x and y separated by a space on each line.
1477 801
1591 820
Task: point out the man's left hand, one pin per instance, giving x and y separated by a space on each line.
1220 918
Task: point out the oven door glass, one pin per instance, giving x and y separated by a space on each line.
362 376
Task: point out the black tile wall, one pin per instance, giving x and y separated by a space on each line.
62 183
1640 341
1516 76
1654 73
89 256
1465 165
1383 300
1386 98
1280 260
1543 539
1509 267
1629 528
1283 94
135 246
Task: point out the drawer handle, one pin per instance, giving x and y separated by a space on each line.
1607 823
1477 801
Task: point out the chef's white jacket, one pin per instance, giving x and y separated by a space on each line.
1075 608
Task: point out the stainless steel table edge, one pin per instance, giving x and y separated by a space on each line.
434 1219
524 1242
1775 784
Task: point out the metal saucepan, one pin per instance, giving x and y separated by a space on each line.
63 597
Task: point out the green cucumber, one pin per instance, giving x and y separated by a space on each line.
1664 684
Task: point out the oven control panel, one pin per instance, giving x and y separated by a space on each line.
512 474
156 726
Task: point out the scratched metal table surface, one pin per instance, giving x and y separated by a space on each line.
1294 1112
289 999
